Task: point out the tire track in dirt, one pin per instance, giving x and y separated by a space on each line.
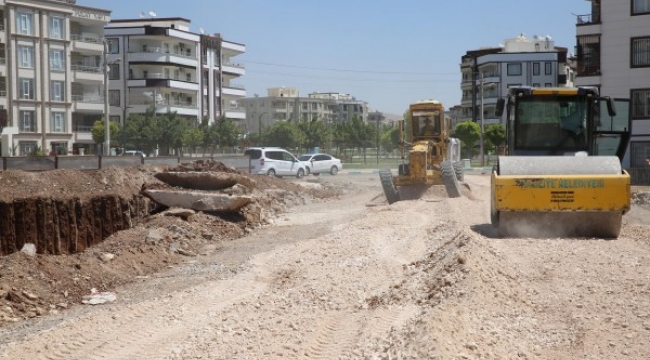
142 331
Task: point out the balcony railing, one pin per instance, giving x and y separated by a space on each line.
235 86
232 64
3 61
85 68
588 70
159 76
588 19
158 50
90 99
82 128
161 103
86 39
3 93
2 24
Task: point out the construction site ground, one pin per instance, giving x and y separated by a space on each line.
327 270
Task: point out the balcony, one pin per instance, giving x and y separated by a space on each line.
87 43
235 113
588 19
234 68
88 103
162 80
84 73
182 107
159 55
235 90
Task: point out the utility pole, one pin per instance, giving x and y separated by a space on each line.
107 122
482 124
378 118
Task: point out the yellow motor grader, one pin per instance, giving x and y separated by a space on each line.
562 174
429 156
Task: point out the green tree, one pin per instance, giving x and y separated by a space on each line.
168 131
193 137
97 132
495 134
389 138
312 133
139 132
360 134
282 134
468 132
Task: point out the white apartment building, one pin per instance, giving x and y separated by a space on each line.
487 73
51 76
285 103
160 62
613 53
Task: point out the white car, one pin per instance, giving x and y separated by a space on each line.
274 161
134 153
321 163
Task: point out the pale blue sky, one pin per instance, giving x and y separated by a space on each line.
388 53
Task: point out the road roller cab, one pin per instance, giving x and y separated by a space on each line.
562 174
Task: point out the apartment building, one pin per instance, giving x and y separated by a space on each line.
160 62
51 78
613 53
285 103
487 73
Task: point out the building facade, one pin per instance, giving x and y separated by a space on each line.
613 54
51 75
488 73
284 103
160 63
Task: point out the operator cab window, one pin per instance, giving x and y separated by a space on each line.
427 123
555 123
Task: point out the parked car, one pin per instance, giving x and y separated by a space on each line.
321 163
274 161
134 153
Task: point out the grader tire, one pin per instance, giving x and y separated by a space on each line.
458 169
386 178
449 179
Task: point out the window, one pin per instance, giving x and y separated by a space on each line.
548 69
640 7
26 56
114 118
57 60
24 24
57 124
640 52
641 104
536 85
113 46
26 88
514 69
57 91
548 85
56 27
588 55
26 147
114 97
535 68
27 121
114 71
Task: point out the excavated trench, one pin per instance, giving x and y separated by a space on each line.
66 226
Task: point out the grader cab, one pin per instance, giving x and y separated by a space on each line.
429 155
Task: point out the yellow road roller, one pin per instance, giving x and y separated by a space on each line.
562 174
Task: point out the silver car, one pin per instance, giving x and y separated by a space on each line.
321 163
274 161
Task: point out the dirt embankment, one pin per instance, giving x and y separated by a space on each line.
105 234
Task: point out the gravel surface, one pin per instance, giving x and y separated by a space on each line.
354 278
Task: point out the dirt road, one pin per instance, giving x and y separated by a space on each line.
356 278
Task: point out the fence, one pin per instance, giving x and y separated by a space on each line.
639 176
44 163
